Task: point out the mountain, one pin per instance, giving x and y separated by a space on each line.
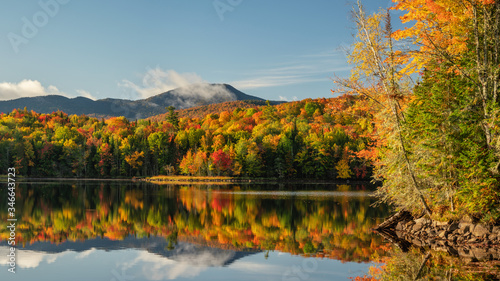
180 98
194 253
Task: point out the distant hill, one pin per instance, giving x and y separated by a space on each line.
204 110
181 98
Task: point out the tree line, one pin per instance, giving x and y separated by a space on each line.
323 138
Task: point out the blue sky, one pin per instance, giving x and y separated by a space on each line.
135 49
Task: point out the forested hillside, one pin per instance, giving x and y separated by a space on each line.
204 110
325 138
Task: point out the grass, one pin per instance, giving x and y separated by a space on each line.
6 177
217 179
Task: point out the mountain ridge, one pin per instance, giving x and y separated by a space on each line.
181 98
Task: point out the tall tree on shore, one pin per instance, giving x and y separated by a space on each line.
376 75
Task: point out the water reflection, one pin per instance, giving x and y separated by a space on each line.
203 226
424 264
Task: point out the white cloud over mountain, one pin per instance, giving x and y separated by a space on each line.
33 88
26 88
156 81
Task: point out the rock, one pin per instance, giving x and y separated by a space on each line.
452 227
465 227
417 242
439 223
465 253
442 234
480 254
399 226
423 221
473 240
417 226
496 230
410 223
480 230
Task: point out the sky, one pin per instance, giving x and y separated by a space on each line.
276 50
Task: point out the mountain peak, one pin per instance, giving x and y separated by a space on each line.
181 98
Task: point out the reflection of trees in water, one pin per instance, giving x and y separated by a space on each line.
431 265
338 226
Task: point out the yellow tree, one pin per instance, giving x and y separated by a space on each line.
377 75
343 169
135 159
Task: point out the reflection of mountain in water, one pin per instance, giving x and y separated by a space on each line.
196 255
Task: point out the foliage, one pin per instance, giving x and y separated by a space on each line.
299 139
436 140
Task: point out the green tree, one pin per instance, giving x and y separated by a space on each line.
173 117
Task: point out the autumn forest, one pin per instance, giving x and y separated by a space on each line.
413 128
419 114
312 138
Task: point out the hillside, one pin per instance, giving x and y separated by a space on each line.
204 110
323 138
180 98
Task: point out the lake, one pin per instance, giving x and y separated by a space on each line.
119 231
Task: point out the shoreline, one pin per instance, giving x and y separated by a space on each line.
229 180
463 238
210 180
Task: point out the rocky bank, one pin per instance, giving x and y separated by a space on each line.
474 241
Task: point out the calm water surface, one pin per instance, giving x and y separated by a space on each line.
137 231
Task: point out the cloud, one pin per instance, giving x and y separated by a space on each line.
254 267
190 88
307 68
28 258
156 81
86 253
186 265
33 88
85 94
273 81
26 88
283 98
